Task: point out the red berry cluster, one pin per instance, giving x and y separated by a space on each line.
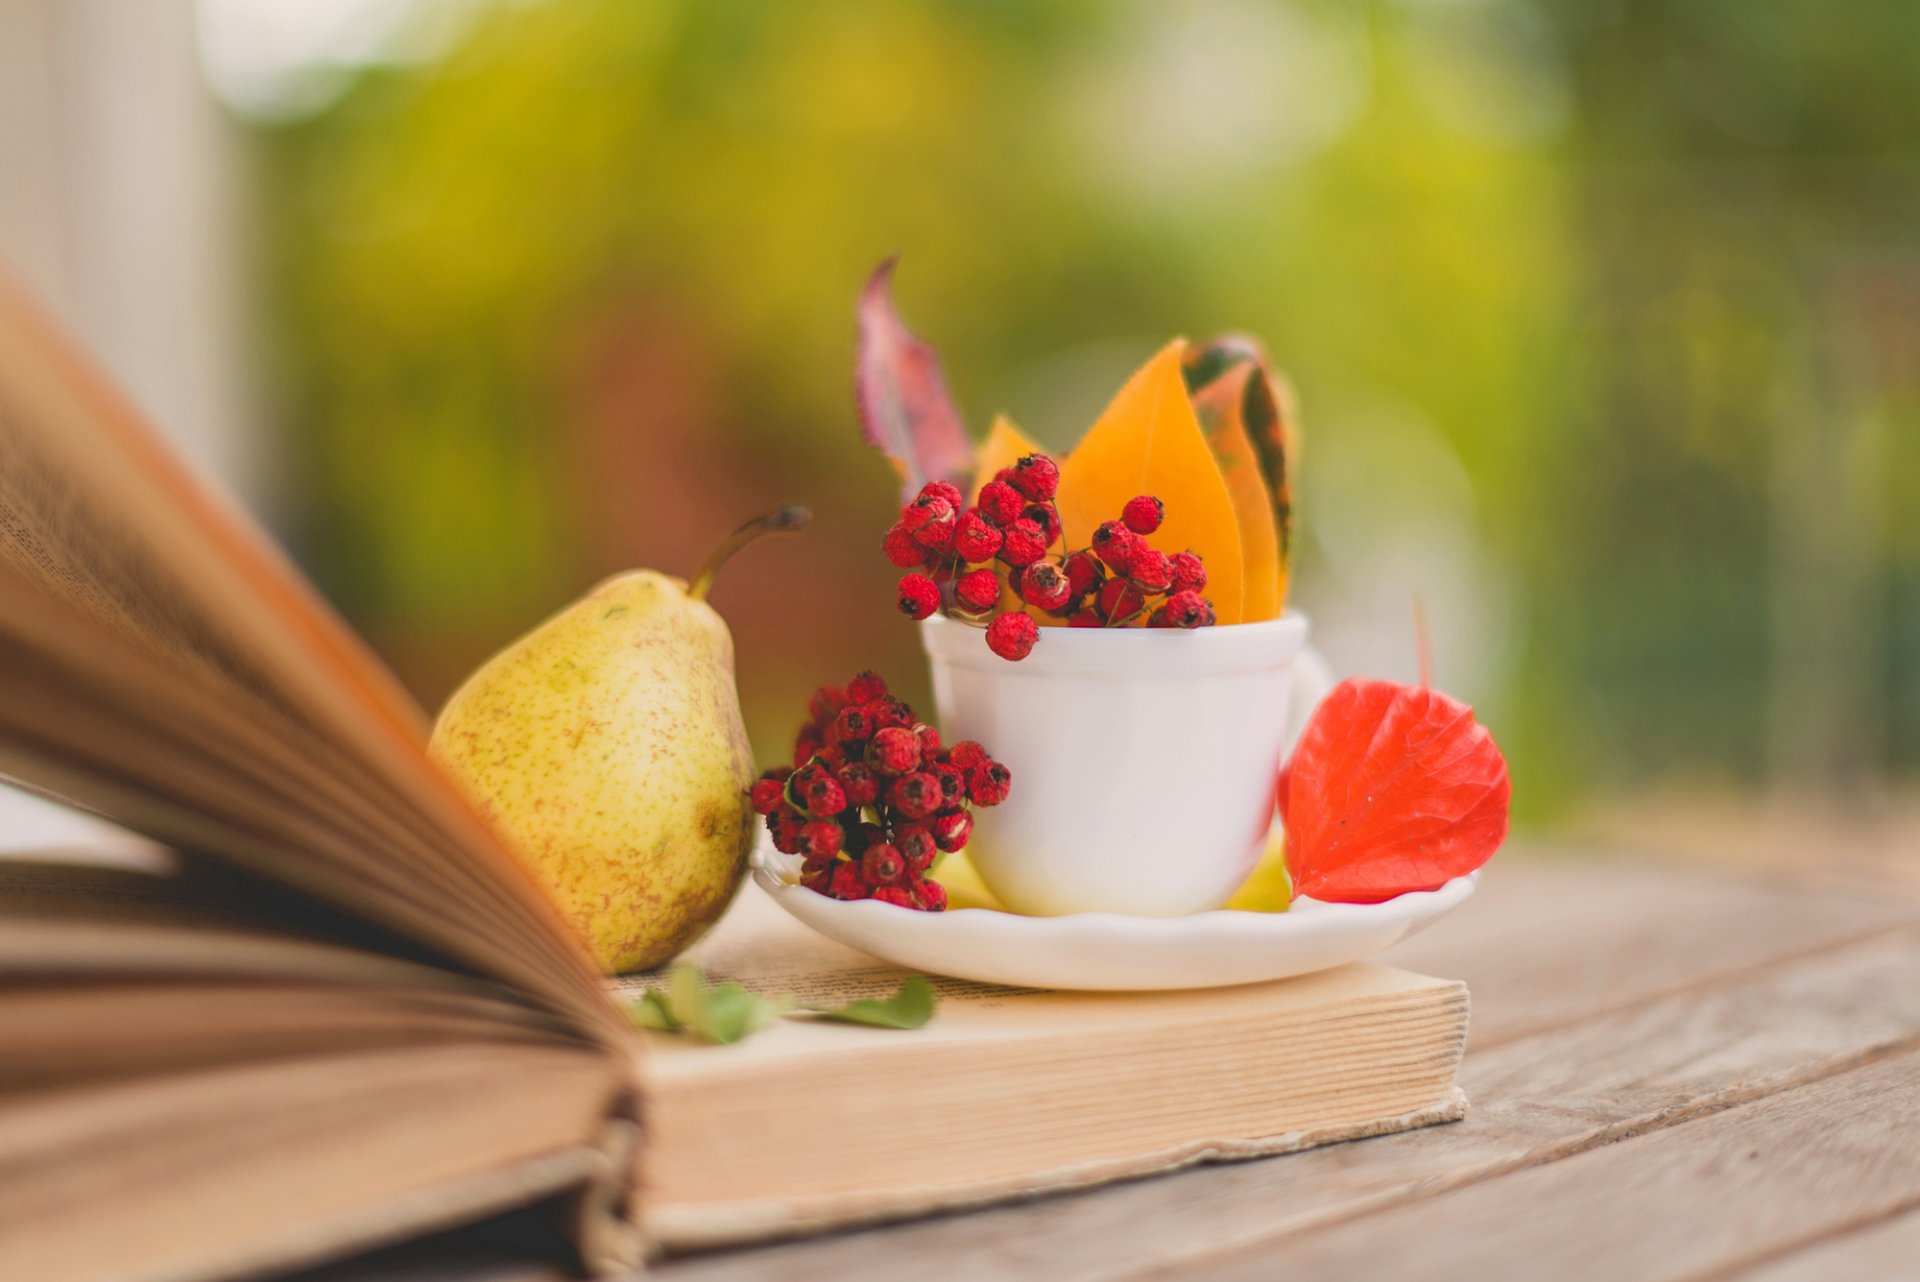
873 798
966 561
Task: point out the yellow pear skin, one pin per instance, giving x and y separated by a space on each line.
607 746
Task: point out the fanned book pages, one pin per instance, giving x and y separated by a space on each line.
330 1010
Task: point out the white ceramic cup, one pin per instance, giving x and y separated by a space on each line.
1143 759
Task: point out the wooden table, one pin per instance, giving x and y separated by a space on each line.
1675 1071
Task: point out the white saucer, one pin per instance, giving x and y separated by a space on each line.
1106 951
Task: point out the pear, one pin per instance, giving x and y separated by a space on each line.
606 747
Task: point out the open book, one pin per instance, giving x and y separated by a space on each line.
344 1014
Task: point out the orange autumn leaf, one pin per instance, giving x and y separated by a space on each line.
1230 376
1149 442
1005 445
1218 407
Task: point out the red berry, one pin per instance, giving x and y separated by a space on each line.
902 548
915 795
1084 573
788 832
1181 610
1012 636
1044 584
1084 619
943 490
822 795
826 701
847 883
965 755
1119 601
821 839
929 741
768 793
889 713
1047 517
953 783
951 829
925 508
936 532
1023 543
850 725
1001 502
989 783
1189 572
1036 476
930 896
817 877
976 538
978 590
918 596
1149 569
1143 513
859 782
866 687
917 846
806 744
883 864
894 751
898 896
1114 544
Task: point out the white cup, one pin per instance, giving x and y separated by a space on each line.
1143 759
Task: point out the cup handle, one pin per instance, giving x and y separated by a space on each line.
1312 679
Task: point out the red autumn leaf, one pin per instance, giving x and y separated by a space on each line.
905 409
1392 789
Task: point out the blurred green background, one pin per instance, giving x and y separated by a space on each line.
1604 315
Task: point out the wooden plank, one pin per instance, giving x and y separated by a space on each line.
1536 1100
1705 1196
1550 939
1888 1251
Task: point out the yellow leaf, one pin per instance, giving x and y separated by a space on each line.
1149 442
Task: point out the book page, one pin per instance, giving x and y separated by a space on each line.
284 746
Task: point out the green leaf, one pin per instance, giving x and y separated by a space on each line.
725 1013
910 1007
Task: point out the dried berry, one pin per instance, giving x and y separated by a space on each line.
977 591
1114 543
924 509
866 687
936 532
918 596
894 751
1084 573
788 831
1143 513
1119 601
929 741
988 783
1012 636
975 538
1023 543
1044 585
917 846
1181 610
1084 619
859 782
944 490
823 796
953 784
898 896
850 725
928 896
820 839
883 864
965 755
769 793
902 548
847 883
1001 503
951 828
1149 569
915 795
1036 476
1189 572
889 714
1047 517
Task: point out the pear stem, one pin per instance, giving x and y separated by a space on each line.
779 521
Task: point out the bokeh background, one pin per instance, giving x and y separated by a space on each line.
1604 315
